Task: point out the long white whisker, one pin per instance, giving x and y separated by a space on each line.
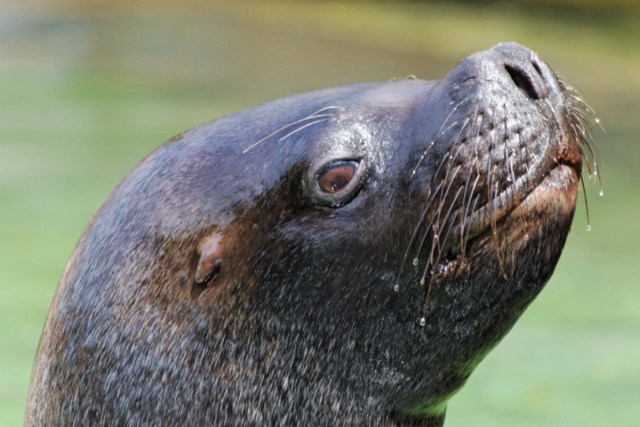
315 115
301 128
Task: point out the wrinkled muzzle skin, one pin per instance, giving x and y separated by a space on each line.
343 257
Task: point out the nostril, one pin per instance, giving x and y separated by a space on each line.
522 81
537 68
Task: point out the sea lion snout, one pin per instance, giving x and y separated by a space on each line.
509 122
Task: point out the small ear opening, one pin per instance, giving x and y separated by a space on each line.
209 253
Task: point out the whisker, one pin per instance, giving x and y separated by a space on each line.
586 203
516 197
439 133
301 128
312 116
443 197
492 193
514 188
465 214
584 120
473 208
431 224
435 225
422 156
448 224
415 234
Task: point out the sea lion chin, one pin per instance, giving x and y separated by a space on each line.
342 257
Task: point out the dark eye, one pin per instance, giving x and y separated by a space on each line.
336 182
336 176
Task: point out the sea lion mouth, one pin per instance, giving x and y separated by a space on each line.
490 221
515 198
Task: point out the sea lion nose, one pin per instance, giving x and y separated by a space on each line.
526 81
525 70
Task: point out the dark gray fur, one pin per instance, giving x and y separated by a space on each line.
301 325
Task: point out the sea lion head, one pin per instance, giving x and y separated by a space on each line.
343 256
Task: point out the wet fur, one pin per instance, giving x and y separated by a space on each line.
313 315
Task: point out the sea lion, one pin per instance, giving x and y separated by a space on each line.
341 257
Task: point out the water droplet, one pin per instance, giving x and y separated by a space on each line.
592 177
526 236
423 322
389 276
415 262
588 227
422 281
396 288
597 120
601 193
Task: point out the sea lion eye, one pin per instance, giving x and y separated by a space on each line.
336 182
337 175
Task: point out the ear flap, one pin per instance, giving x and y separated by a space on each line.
209 253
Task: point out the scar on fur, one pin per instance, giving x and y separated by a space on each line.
209 253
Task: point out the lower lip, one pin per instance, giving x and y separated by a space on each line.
561 182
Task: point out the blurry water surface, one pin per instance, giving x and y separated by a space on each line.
87 92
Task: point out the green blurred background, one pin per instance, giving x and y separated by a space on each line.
87 89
